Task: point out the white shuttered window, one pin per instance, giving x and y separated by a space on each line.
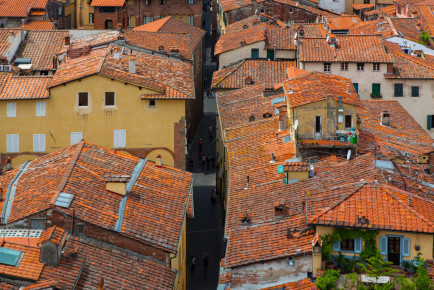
11 110
40 109
120 138
76 137
38 142
12 143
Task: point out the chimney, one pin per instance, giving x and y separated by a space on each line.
117 54
122 65
67 40
51 243
348 86
385 118
273 158
248 181
409 201
132 66
117 183
390 68
11 36
158 160
119 27
252 118
174 50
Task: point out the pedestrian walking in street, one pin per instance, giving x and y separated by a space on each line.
210 132
193 263
213 161
200 146
207 160
202 162
191 164
212 194
205 264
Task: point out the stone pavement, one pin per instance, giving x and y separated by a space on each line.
204 232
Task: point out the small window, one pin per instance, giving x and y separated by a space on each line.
327 67
11 110
347 245
79 229
162 2
430 122
255 52
151 103
109 99
83 99
366 1
91 18
376 66
147 2
37 224
356 87
344 66
44 72
40 109
148 19
415 91
107 9
399 90
291 10
360 66
38 142
190 20
190 2
376 90
13 143
348 121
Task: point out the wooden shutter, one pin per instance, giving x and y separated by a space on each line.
337 246
428 122
356 87
38 142
12 109
120 138
76 137
383 245
13 143
405 247
40 109
357 245
376 89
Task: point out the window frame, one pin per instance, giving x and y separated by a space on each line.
413 90
80 232
42 111
360 66
114 99
11 109
152 103
291 10
345 121
8 146
162 2
75 134
37 145
344 66
190 20
376 66
327 66
78 99
91 18
39 220
191 2
345 242
395 91
107 10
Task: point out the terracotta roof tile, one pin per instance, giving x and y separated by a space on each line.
259 71
29 267
39 25
342 22
251 21
228 5
281 38
425 13
12 8
4 38
172 25
379 205
317 86
107 3
237 39
161 42
389 10
379 26
304 284
407 26
25 87
41 46
54 234
410 67
351 48
154 213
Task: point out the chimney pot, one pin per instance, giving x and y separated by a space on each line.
11 36
158 160
132 66
385 118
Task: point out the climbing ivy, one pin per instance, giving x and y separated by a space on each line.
369 237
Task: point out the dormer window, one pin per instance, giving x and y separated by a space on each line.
267 115
248 81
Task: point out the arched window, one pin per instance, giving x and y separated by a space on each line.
108 24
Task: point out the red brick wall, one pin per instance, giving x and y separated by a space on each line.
118 17
172 7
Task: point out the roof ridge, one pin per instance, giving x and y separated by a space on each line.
237 66
415 212
68 171
411 59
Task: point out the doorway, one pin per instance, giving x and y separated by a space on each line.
318 127
108 24
394 250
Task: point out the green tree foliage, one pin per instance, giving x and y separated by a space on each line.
328 281
425 38
376 267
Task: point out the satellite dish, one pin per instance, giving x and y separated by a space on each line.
349 155
296 124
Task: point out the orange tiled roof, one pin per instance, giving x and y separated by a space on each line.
407 26
54 234
389 10
363 6
304 284
403 134
91 41
380 205
107 3
13 8
155 216
228 5
410 67
29 267
351 48
280 38
25 87
39 25
156 40
260 71
379 26
152 71
41 46
172 25
342 22
317 86
372 12
251 21
4 38
425 13
237 39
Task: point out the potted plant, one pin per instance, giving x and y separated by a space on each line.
406 265
316 142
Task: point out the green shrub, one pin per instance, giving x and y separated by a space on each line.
422 281
328 280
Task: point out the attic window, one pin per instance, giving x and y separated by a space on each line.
248 80
245 26
161 48
267 115
83 99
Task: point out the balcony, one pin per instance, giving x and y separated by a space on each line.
341 139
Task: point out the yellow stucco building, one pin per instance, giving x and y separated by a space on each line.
134 102
78 14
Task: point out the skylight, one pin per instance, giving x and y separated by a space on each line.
10 257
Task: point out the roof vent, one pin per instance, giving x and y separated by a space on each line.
252 118
273 158
67 40
267 115
161 49
248 80
245 26
385 118
246 219
174 50
280 209
11 36
243 43
132 66
248 181
409 201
